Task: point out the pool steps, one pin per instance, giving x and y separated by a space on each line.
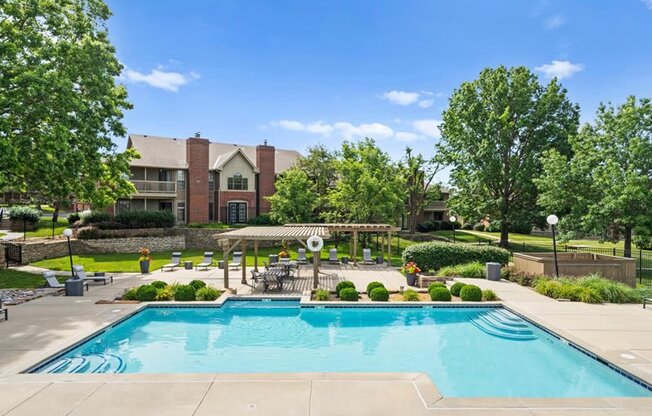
503 324
93 363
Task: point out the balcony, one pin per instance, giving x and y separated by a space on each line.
155 188
436 206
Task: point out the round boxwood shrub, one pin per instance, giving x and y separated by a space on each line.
130 294
146 293
457 286
371 286
159 284
411 296
471 293
440 294
343 285
436 284
197 284
207 293
184 293
349 294
379 294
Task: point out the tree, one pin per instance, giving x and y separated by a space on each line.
295 198
493 134
319 164
60 105
419 174
369 188
605 187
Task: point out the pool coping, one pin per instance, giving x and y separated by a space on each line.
425 387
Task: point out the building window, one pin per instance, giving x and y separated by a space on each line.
181 180
211 181
237 182
123 206
163 175
211 213
181 211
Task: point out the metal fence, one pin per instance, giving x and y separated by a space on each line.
643 257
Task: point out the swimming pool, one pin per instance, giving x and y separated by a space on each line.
467 352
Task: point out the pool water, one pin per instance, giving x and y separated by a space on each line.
467 352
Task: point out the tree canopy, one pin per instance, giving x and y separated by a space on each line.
418 174
494 132
295 198
319 164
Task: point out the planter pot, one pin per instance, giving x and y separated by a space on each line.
411 279
144 266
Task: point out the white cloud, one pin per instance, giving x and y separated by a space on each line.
374 130
317 127
427 127
648 3
159 78
406 136
554 22
560 69
426 103
402 97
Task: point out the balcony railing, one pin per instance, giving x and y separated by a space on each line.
437 205
155 187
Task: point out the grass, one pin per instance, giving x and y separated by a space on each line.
540 239
16 279
44 228
2 235
462 236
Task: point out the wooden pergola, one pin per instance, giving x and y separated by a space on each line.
355 229
240 237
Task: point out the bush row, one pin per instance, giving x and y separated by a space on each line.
428 226
24 213
162 291
435 255
124 220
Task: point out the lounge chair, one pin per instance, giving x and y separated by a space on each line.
332 256
81 274
4 311
301 257
175 262
366 256
647 301
51 280
207 262
237 260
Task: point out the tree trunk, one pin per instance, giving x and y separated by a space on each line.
504 234
628 241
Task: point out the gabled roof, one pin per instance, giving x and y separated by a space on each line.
222 160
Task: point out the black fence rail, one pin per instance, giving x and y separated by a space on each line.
643 257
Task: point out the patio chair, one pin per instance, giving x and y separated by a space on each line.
52 282
174 263
332 256
79 272
272 278
4 311
646 301
207 262
237 260
366 256
301 256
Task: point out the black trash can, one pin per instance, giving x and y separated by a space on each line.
187 265
74 287
380 260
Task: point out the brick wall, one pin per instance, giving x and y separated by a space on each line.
197 181
265 159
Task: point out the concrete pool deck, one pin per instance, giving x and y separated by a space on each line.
40 328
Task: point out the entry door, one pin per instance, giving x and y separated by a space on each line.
237 212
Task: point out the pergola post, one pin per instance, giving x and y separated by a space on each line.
256 255
316 256
389 248
382 246
355 248
226 264
244 262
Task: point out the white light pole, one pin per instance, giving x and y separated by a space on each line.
452 220
553 220
68 233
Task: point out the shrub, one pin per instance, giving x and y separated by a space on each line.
494 226
471 293
262 219
440 294
489 295
343 285
478 226
467 226
349 294
590 295
110 225
207 293
94 217
436 284
146 293
184 293
435 255
521 227
457 286
130 294
73 218
197 284
159 284
322 295
450 271
475 270
643 242
164 294
371 286
88 233
146 219
445 225
379 294
410 296
22 213
548 288
428 226
608 290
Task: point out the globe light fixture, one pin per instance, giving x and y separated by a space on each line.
552 219
68 233
452 219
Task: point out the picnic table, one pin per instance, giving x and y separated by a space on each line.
277 273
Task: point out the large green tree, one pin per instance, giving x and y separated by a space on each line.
419 174
494 132
605 188
60 105
295 198
320 166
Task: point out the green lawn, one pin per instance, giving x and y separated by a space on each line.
2 234
15 279
538 239
45 228
462 236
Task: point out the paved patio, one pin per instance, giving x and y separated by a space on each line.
40 328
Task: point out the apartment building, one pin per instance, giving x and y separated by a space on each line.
203 181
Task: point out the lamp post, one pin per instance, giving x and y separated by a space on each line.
68 233
452 220
553 220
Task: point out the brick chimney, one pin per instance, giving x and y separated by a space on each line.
265 159
197 180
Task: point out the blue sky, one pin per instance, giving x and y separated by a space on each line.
300 73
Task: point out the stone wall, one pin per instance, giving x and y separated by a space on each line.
46 250
130 245
201 238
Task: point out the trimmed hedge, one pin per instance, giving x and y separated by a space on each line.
95 217
349 294
343 285
379 294
197 284
146 219
22 213
159 284
184 293
435 255
456 288
371 286
471 293
146 293
440 294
